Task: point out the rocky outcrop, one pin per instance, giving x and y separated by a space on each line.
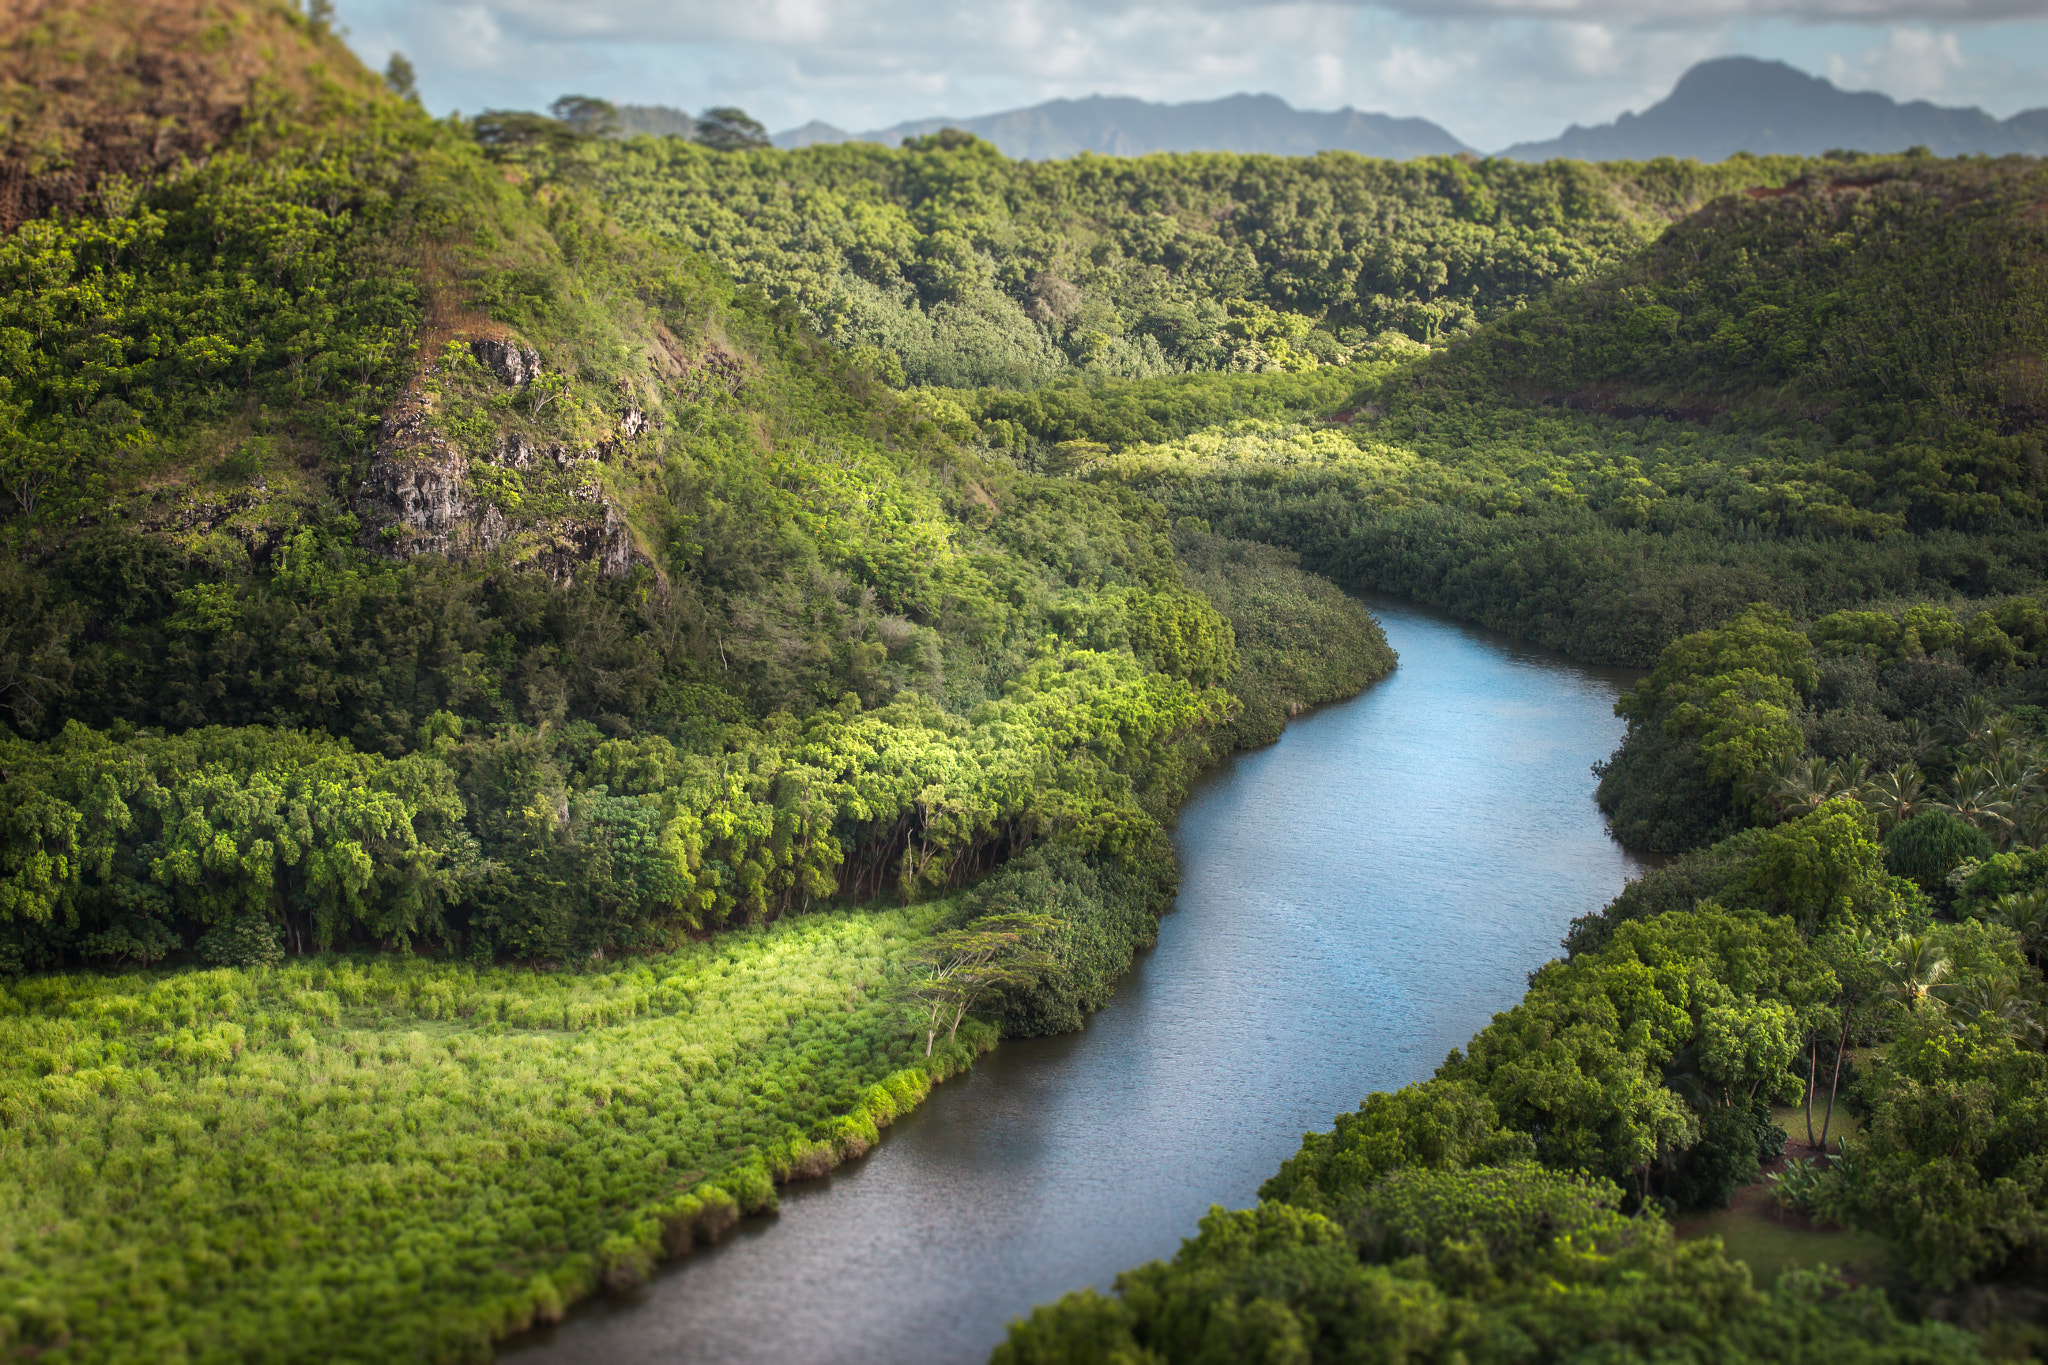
513 363
417 497
714 371
514 451
568 547
413 501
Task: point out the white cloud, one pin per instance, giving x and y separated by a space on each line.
1722 11
1911 63
1491 71
818 20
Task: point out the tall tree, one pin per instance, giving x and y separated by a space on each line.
725 128
962 966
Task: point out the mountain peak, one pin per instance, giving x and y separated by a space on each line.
92 90
1747 104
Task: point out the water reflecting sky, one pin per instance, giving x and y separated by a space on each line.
1356 900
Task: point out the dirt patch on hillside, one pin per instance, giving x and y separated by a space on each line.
93 92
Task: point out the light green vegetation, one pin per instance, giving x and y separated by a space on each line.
403 1159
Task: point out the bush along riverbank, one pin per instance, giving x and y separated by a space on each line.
1868 941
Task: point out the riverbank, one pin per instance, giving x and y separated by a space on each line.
452 1152
1305 964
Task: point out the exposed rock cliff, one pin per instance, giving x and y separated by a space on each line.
544 504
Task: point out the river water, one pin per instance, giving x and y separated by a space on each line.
1356 900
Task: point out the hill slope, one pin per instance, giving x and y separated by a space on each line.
89 92
971 268
1742 104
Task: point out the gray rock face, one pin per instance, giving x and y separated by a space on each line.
512 363
415 499
570 547
514 451
412 502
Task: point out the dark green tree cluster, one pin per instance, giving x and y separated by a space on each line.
1910 712
1897 302
1486 1214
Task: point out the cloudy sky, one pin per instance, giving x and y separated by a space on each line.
1491 71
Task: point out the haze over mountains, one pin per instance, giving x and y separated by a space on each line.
1740 104
1718 108
1115 125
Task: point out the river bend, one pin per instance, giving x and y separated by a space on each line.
1357 900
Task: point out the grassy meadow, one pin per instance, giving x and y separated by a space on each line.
401 1158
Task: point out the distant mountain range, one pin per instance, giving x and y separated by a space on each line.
1740 104
1121 126
1732 104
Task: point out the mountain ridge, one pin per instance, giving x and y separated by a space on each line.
1716 109
1744 104
1122 125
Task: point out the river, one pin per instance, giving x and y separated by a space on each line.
1356 900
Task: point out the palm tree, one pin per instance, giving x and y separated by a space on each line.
1921 741
1974 797
2015 773
2026 914
1912 967
1969 723
1800 786
1859 946
2030 823
2008 1007
1849 774
1899 794
1998 739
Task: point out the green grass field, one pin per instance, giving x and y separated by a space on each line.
177 1148
1754 1229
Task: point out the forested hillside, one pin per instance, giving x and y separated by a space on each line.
969 269
553 682
418 579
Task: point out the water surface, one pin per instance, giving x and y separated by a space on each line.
1356 900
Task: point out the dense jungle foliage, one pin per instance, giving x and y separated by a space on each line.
965 268
403 554
553 682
